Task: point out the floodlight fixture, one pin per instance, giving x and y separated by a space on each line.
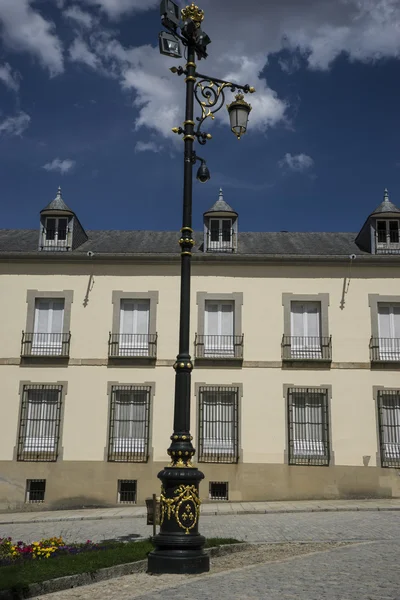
169 45
170 14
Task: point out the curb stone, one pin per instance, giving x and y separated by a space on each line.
216 514
72 581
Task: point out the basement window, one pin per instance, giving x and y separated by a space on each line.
127 489
218 490
35 490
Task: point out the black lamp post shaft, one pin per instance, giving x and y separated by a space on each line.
179 546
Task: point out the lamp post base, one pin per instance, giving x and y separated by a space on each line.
179 546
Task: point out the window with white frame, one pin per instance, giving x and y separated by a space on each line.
134 327
389 331
129 423
218 424
220 234
389 427
306 330
308 426
48 326
56 231
219 329
39 429
387 231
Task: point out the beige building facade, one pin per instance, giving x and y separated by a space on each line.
296 344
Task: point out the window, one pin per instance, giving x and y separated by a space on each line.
306 330
55 233
389 331
35 490
218 424
387 232
389 427
218 490
127 489
129 423
220 234
219 329
40 423
308 426
48 327
134 325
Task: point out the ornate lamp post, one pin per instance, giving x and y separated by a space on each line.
179 546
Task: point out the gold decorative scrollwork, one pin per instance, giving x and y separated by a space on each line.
185 507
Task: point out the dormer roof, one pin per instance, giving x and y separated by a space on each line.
220 208
57 206
385 207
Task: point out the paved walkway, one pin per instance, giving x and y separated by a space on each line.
215 508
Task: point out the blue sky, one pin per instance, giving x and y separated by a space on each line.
87 102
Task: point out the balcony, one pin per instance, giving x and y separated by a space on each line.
225 347
221 240
299 348
387 244
384 350
45 344
55 240
132 345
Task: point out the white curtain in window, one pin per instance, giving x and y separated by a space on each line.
306 330
48 326
134 327
308 428
130 422
389 332
41 421
219 329
218 424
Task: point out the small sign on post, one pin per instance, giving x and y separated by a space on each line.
153 512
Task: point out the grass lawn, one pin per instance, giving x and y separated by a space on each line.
23 573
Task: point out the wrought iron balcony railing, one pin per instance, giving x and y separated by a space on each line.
219 346
221 240
132 345
45 344
384 349
317 348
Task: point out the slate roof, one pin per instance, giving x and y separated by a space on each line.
166 242
386 206
57 204
220 205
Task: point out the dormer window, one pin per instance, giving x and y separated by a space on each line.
387 232
220 234
380 232
220 227
55 231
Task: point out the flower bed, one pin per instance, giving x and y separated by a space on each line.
12 552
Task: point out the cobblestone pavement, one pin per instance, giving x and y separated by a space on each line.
367 571
324 526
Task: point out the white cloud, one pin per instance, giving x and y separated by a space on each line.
79 52
61 166
81 17
25 30
10 79
15 125
147 147
296 162
117 8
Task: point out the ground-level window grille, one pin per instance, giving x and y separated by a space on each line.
39 429
308 426
218 424
218 490
35 490
129 423
389 427
127 489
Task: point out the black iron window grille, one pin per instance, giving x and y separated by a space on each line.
218 490
39 429
317 348
384 349
219 346
127 490
35 490
45 344
218 424
308 426
389 427
131 345
129 423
